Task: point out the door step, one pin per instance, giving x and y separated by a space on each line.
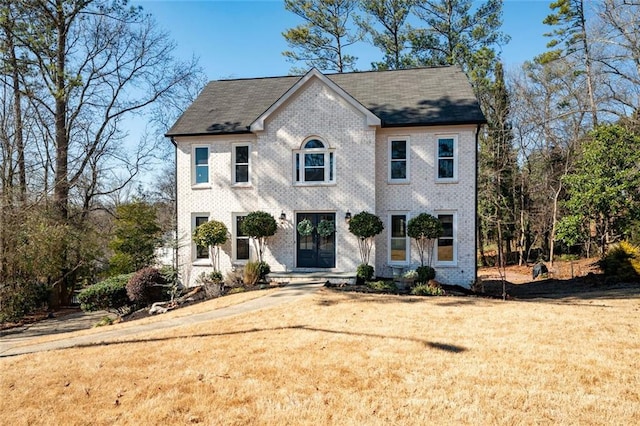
309 277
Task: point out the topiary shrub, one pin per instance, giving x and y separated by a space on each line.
425 274
424 229
623 261
211 234
146 286
364 272
365 226
259 226
108 295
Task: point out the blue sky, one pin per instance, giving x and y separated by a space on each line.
243 38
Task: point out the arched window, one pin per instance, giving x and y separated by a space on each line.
314 163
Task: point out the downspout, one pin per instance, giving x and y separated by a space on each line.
175 205
475 225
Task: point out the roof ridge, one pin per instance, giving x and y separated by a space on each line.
338 73
393 71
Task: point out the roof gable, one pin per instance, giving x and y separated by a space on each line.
258 123
413 97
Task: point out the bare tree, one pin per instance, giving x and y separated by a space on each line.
91 65
549 122
621 53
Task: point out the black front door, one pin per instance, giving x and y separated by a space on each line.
315 250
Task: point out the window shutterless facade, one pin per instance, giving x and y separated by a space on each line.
399 160
398 241
201 252
447 155
446 253
200 166
241 241
241 165
314 163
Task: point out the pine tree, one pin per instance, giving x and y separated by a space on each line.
321 41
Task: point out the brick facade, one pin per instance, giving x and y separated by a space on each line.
361 172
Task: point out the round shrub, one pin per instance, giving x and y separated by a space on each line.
146 286
425 274
211 233
108 295
364 272
260 226
424 229
365 226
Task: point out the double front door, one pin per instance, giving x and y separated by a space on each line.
315 250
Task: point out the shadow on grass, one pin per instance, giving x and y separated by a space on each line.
353 294
586 288
433 345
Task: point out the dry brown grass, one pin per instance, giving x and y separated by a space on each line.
349 359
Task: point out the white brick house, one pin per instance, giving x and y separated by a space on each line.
322 147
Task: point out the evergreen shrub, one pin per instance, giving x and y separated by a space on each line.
109 295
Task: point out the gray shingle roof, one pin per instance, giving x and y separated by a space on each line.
415 97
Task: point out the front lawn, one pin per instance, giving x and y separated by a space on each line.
351 359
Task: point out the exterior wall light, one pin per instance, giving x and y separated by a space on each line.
347 217
283 217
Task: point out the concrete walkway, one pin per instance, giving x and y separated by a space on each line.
23 342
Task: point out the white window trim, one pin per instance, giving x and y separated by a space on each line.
234 183
234 241
407 141
454 262
194 249
193 167
453 179
330 169
407 261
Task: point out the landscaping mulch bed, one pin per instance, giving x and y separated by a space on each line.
590 285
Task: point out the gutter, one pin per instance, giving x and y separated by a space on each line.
475 225
175 205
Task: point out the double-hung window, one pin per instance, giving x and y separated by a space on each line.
447 151
398 241
446 250
241 241
315 163
241 165
398 160
201 252
200 165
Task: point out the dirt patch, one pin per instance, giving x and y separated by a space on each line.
568 279
561 270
